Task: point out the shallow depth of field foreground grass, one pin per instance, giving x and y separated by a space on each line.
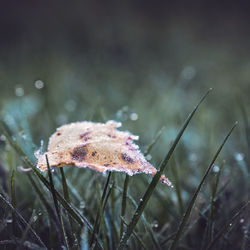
80 209
150 66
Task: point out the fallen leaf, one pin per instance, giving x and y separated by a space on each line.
98 146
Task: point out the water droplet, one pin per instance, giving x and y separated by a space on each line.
2 138
149 157
133 117
19 91
40 213
216 169
155 224
39 84
70 105
239 156
230 224
37 153
141 199
241 221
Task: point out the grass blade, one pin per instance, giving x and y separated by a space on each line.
228 224
22 220
156 179
82 220
58 210
96 227
191 204
13 199
155 140
175 170
66 195
124 202
141 243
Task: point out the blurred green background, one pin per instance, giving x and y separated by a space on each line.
144 63
72 61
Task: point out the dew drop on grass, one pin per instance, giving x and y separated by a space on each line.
216 168
2 138
239 156
19 91
155 224
149 157
133 117
39 84
141 199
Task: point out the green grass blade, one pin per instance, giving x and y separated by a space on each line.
43 200
191 203
177 187
58 210
155 140
124 202
141 243
82 220
156 179
227 226
13 199
95 228
212 204
22 220
66 195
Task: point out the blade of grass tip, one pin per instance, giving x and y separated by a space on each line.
155 140
82 220
124 202
141 243
66 195
191 203
227 226
155 180
58 210
95 228
22 220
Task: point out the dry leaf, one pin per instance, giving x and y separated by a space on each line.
98 146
